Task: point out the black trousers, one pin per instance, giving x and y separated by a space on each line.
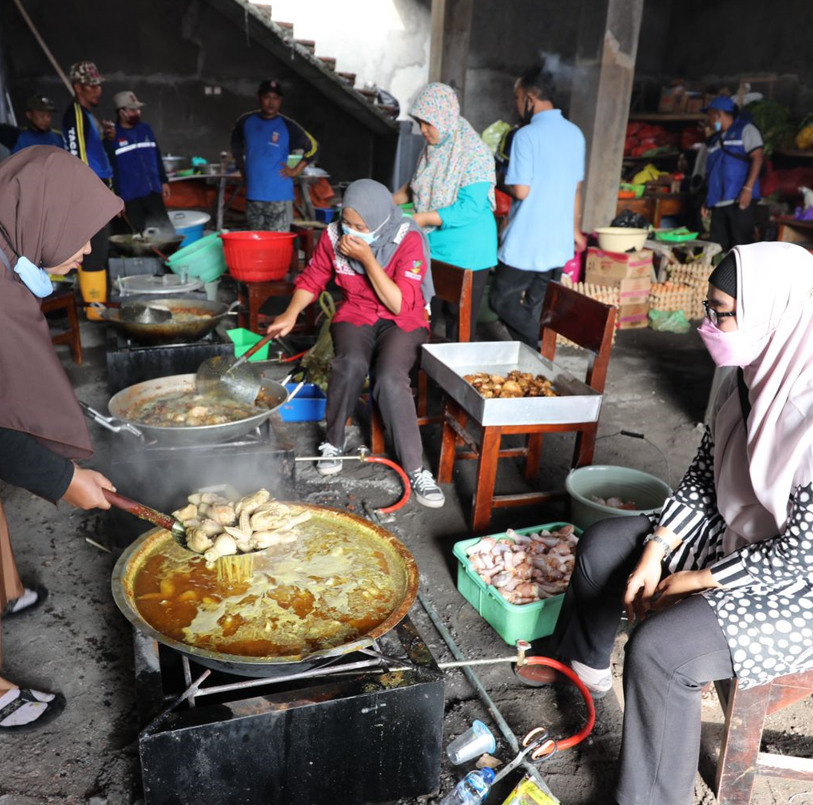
731 226
387 353
669 657
451 312
144 212
519 313
99 247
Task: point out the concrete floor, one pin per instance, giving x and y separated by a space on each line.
79 644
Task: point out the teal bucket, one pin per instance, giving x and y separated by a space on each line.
203 259
605 481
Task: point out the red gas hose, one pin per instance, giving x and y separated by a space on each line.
566 743
404 478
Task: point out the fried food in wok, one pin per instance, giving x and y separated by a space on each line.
514 384
182 409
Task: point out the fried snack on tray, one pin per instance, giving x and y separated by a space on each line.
514 384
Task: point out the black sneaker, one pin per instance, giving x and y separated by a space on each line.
425 489
329 464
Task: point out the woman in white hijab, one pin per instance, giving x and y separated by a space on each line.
722 587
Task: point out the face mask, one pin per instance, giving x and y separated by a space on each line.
734 348
718 126
36 279
368 237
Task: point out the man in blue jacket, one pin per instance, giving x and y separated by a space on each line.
261 142
735 156
82 133
138 172
39 111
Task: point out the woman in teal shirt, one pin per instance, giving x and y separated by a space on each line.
453 193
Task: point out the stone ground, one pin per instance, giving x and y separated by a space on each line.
78 642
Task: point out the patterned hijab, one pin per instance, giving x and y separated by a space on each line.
461 158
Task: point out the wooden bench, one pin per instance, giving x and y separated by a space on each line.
65 301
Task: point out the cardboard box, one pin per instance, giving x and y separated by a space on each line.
634 291
604 266
695 103
631 317
673 100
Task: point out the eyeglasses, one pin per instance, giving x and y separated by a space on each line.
714 315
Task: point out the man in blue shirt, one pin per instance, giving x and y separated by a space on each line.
544 177
138 172
261 142
39 111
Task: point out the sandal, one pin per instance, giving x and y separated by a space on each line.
31 598
22 710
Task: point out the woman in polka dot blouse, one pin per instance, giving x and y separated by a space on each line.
722 586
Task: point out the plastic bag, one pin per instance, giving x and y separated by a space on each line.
318 357
631 220
528 793
492 136
669 321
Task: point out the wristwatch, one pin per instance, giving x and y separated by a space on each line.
667 548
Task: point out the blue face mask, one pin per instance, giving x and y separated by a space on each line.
36 279
718 126
367 237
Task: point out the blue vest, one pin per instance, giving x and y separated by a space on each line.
728 165
136 155
31 137
267 149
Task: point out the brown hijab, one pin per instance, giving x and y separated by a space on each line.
51 204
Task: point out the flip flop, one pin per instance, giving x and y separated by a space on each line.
31 598
25 709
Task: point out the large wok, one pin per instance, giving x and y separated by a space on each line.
146 245
174 330
275 395
155 541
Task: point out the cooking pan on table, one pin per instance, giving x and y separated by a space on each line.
146 245
275 394
400 560
187 328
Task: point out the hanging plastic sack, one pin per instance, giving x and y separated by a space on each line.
493 134
318 357
669 321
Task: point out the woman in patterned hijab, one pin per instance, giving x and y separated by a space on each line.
453 192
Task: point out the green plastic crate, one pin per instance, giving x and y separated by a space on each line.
512 622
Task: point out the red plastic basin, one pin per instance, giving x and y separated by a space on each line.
258 256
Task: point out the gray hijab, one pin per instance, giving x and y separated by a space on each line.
373 202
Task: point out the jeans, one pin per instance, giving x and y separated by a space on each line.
521 314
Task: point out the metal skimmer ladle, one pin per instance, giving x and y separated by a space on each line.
234 378
166 521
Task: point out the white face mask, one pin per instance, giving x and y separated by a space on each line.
36 279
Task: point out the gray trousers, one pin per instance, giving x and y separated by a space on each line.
387 353
269 216
669 657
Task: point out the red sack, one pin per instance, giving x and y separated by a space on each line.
503 205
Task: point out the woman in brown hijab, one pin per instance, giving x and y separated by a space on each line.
51 204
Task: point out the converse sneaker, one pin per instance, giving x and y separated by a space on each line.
425 489
329 464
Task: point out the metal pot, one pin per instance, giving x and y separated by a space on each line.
178 436
135 556
142 246
173 162
174 330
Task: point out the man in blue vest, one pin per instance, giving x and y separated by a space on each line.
735 155
82 133
261 142
39 111
138 172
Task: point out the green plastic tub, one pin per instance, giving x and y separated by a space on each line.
605 481
203 259
681 235
244 340
512 622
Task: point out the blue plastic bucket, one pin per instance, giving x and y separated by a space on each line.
203 259
189 223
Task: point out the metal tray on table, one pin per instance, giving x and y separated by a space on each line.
447 363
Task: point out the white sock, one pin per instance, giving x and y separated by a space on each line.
25 712
599 678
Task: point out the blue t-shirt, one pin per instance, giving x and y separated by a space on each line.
547 155
138 170
30 137
267 149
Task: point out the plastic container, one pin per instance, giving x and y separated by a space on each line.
620 239
574 267
475 741
512 622
324 214
637 190
244 340
472 789
203 259
681 235
189 223
258 256
307 406
605 481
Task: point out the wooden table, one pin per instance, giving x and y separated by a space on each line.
65 301
793 231
656 206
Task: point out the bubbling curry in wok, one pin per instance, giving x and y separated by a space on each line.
183 409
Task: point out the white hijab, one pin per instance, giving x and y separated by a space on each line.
756 472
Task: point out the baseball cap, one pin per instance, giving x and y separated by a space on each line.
270 85
39 103
722 102
85 72
126 100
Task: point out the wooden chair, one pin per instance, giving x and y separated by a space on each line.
740 760
578 318
65 301
453 285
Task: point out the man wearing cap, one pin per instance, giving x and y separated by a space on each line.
733 163
39 111
261 142
82 133
138 172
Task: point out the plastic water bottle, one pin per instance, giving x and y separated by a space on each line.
473 788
